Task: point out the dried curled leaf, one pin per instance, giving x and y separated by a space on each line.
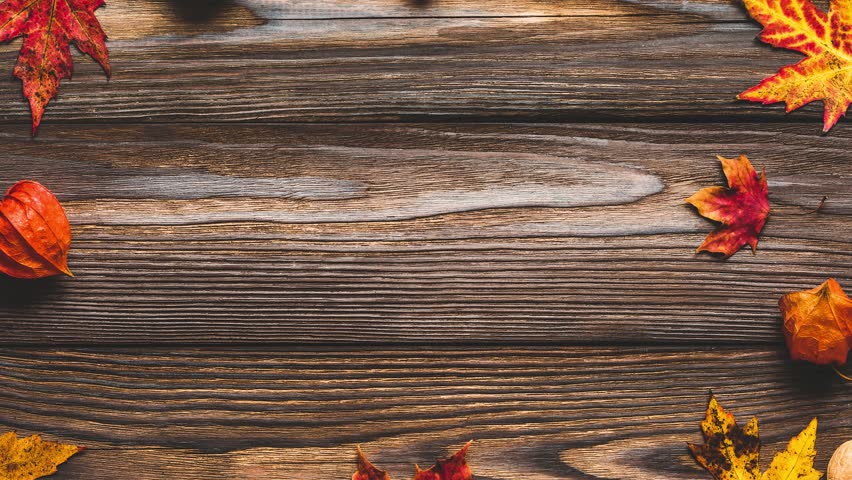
452 468
31 457
818 323
824 37
732 453
742 208
48 27
34 233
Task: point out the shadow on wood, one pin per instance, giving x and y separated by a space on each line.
200 11
16 292
816 380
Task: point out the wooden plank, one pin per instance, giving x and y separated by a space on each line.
400 233
568 413
385 60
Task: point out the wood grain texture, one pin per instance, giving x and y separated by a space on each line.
399 233
567 413
386 283
390 60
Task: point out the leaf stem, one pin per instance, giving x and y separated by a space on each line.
841 374
817 209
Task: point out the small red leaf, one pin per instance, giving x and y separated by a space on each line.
48 27
742 208
34 233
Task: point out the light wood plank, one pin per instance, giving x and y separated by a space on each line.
377 233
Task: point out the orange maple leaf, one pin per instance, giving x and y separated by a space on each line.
742 208
453 468
31 457
818 323
826 73
48 27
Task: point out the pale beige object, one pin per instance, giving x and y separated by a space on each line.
840 465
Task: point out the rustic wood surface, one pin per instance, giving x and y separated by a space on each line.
413 60
537 414
385 233
301 226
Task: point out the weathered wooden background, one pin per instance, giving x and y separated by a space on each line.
305 225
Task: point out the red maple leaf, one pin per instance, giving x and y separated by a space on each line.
452 468
742 208
48 27
366 470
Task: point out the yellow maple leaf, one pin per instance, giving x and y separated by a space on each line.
729 452
797 461
824 37
31 457
732 453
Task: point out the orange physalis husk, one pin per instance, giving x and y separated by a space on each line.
818 324
742 208
34 233
824 37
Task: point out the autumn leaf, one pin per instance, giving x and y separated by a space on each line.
824 37
797 461
48 27
818 323
452 468
731 452
34 233
366 470
742 208
31 457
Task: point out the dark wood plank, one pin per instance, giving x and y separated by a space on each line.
388 60
386 233
568 413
